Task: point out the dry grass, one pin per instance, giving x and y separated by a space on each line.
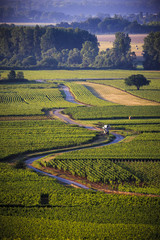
118 96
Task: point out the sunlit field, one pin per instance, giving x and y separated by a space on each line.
106 41
128 170
81 74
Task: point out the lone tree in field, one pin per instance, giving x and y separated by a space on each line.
12 75
137 80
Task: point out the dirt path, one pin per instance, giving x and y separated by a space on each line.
57 113
118 96
73 182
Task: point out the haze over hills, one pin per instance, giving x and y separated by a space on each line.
85 7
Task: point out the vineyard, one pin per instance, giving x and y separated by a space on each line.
30 99
31 136
83 95
107 164
53 75
71 213
131 165
114 112
103 165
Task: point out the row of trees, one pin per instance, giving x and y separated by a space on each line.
14 77
42 47
111 25
50 48
54 48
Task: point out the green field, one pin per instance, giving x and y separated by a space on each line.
130 166
82 74
114 112
32 136
82 94
30 99
71 213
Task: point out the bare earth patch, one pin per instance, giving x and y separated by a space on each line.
118 96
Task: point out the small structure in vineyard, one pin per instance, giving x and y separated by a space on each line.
106 129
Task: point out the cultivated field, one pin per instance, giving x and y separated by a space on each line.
114 95
34 206
82 74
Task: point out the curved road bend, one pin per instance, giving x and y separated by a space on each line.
29 161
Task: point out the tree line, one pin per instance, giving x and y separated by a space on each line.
43 47
112 25
57 48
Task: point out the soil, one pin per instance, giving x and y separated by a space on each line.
93 186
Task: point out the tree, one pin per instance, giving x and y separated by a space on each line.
48 63
12 75
121 44
89 51
74 56
20 75
29 61
151 51
137 80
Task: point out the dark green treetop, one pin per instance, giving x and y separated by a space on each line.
137 80
151 51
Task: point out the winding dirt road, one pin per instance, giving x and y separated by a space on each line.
59 115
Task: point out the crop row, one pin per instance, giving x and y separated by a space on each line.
30 101
95 170
113 112
37 135
72 213
83 95
135 149
148 172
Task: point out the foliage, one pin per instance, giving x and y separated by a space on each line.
112 25
89 51
151 50
12 75
118 57
137 80
40 47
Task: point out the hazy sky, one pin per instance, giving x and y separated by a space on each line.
92 6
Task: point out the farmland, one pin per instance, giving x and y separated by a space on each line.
113 112
40 135
137 40
150 92
72 213
131 165
30 99
82 74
